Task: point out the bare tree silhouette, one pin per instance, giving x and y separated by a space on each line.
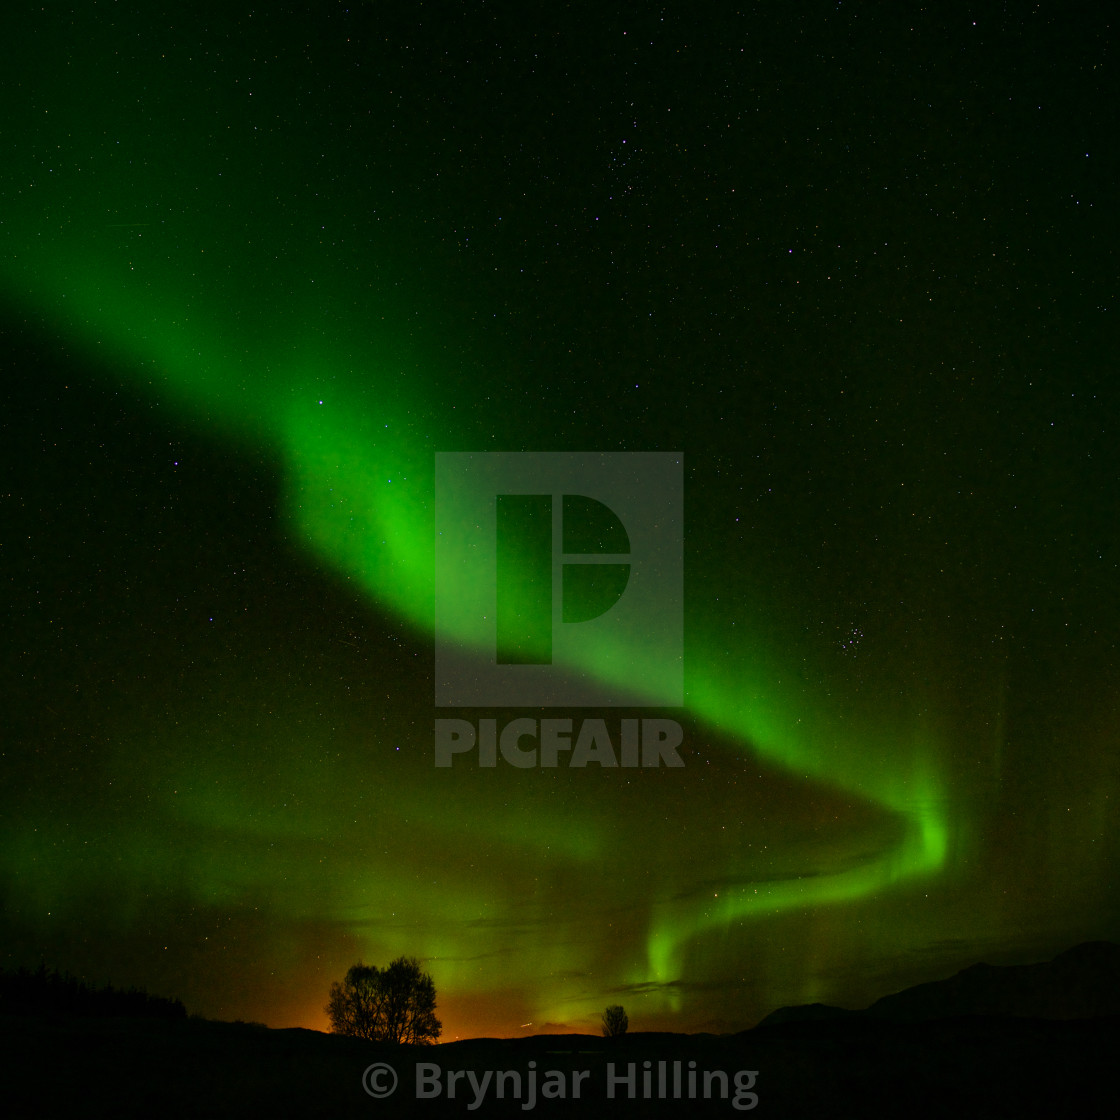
615 1022
394 1004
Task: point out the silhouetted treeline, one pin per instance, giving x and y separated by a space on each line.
23 992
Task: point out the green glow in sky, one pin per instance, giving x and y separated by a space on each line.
359 491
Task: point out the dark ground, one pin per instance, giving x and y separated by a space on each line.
963 1067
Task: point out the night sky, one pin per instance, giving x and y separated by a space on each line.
856 263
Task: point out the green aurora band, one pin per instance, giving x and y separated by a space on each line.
359 493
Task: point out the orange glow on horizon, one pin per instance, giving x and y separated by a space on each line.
459 1023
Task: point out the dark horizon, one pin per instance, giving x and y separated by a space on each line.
990 1041
1081 983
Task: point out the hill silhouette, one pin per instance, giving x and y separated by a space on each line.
1080 983
988 1042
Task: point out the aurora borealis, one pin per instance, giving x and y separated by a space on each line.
257 267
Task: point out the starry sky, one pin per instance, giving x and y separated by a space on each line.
855 263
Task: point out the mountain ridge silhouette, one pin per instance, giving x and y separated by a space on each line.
1079 983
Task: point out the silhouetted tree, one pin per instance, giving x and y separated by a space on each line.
615 1022
394 1004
